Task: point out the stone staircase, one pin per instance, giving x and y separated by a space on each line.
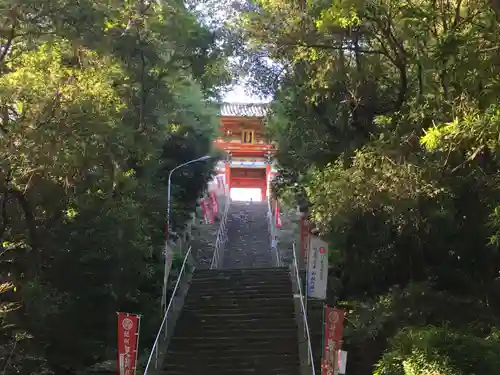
240 319
236 322
248 237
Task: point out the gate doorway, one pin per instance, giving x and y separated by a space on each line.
246 194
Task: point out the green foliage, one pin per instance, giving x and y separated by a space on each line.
98 102
438 350
386 119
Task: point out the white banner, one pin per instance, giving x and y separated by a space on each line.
342 361
317 268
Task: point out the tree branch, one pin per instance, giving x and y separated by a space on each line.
334 47
31 225
6 47
4 204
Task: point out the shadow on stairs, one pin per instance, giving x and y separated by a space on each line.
236 322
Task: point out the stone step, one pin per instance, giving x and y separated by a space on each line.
243 271
249 280
247 339
214 291
232 368
269 274
230 331
249 230
243 277
232 360
210 297
255 237
236 363
210 289
227 287
242 281
242 303
248 214
229 357
242 366
254 217
246 342
240 315
232 308
232 371
211 353
196 327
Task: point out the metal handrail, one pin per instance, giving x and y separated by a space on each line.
272 232
221 239
303 310
155 349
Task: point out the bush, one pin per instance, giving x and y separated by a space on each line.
440 351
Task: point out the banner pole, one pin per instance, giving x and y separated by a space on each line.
118 367
137 342
323 326
306 282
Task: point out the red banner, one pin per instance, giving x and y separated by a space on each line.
210 212
128 332
305 237
277 215
215 203
332 341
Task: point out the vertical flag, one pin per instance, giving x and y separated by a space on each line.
128 338
204 210
215 203
305 238
277 215
210 212
332 340
317 268
209 209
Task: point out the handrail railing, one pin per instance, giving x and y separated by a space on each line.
153 360
303 310
221 239
272 233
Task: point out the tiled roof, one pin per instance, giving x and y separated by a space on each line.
243 109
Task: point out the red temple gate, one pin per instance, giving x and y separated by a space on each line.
242 138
